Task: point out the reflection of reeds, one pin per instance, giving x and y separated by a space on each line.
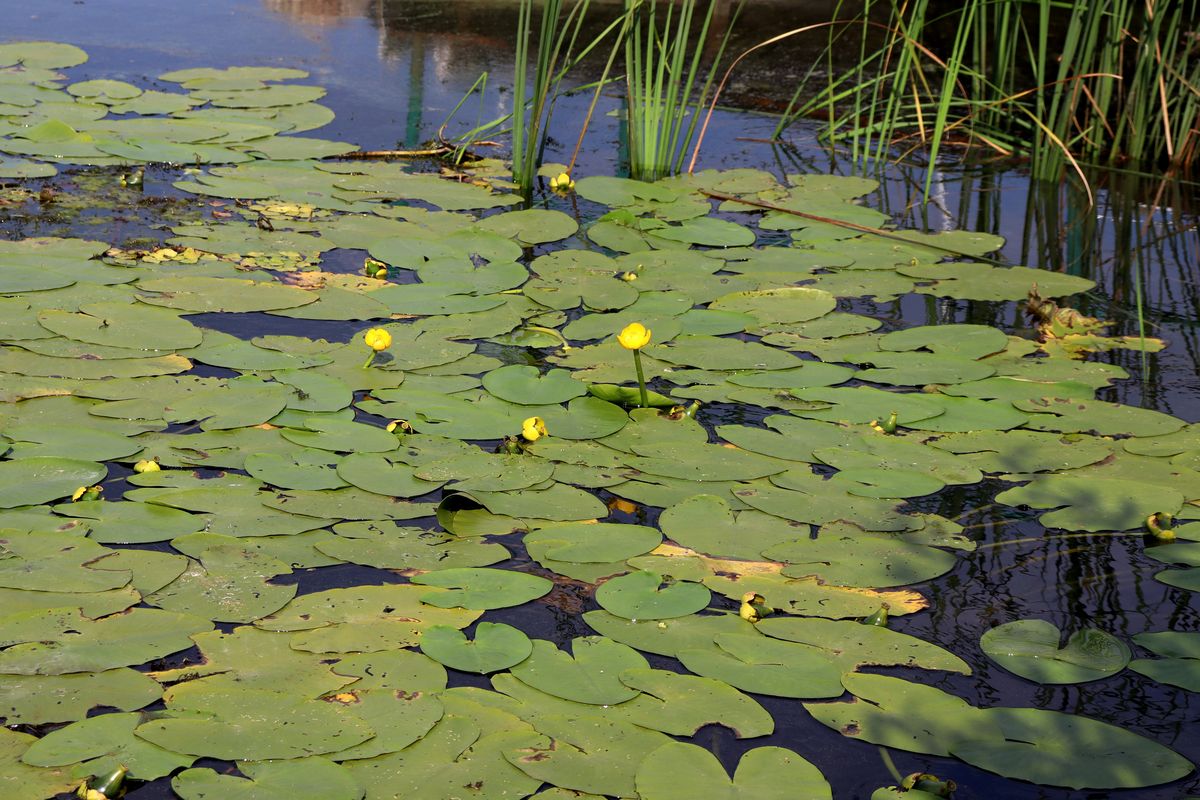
1082 80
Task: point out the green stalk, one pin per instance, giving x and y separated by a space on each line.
641 378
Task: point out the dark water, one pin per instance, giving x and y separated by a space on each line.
395 68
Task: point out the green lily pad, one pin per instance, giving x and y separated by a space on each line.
473 587
129 325
362 619
1030 648
31 481
374 473
589 674
904 715
17 777
201 294
312 778
255 724
389 546
648 595
586 754
714 352
38 699
774 306
1093 504
667 637
1053 748
495 647
227 584
102 743
852 644
679 771
39 645
525 385
759 664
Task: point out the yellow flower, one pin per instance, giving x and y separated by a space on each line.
533 429
562 183
635 336
149 465
753 607
378 339
86 493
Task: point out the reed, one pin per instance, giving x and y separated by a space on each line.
666 82
533 105
1058 81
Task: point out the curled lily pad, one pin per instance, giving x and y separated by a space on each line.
1031 649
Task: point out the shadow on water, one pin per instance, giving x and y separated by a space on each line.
395 68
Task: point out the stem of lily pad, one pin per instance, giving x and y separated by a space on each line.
637 363
370 360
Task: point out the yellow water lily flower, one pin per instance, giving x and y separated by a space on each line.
147 465
86 493
635 336
562 183
752 608
533 429
378 339
887 426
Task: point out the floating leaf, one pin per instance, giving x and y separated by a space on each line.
590 674
313 778
103 743
1053 748
679 771
38 699
495 647
762 665
31 481
39 645
254 724
648 595
481 588
1031 649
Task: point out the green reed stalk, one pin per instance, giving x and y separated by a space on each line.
532 109
1059 80
662 69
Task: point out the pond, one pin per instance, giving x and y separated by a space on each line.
294 531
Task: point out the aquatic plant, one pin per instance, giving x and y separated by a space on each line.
1060 83
666 84
280 456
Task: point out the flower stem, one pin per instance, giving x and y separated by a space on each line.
370 360
641 376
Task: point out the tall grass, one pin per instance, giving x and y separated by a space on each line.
1059 81
532 108
663 67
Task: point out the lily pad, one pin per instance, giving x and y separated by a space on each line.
481 588
1031 649
679 771
589 674
648 595
495 647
